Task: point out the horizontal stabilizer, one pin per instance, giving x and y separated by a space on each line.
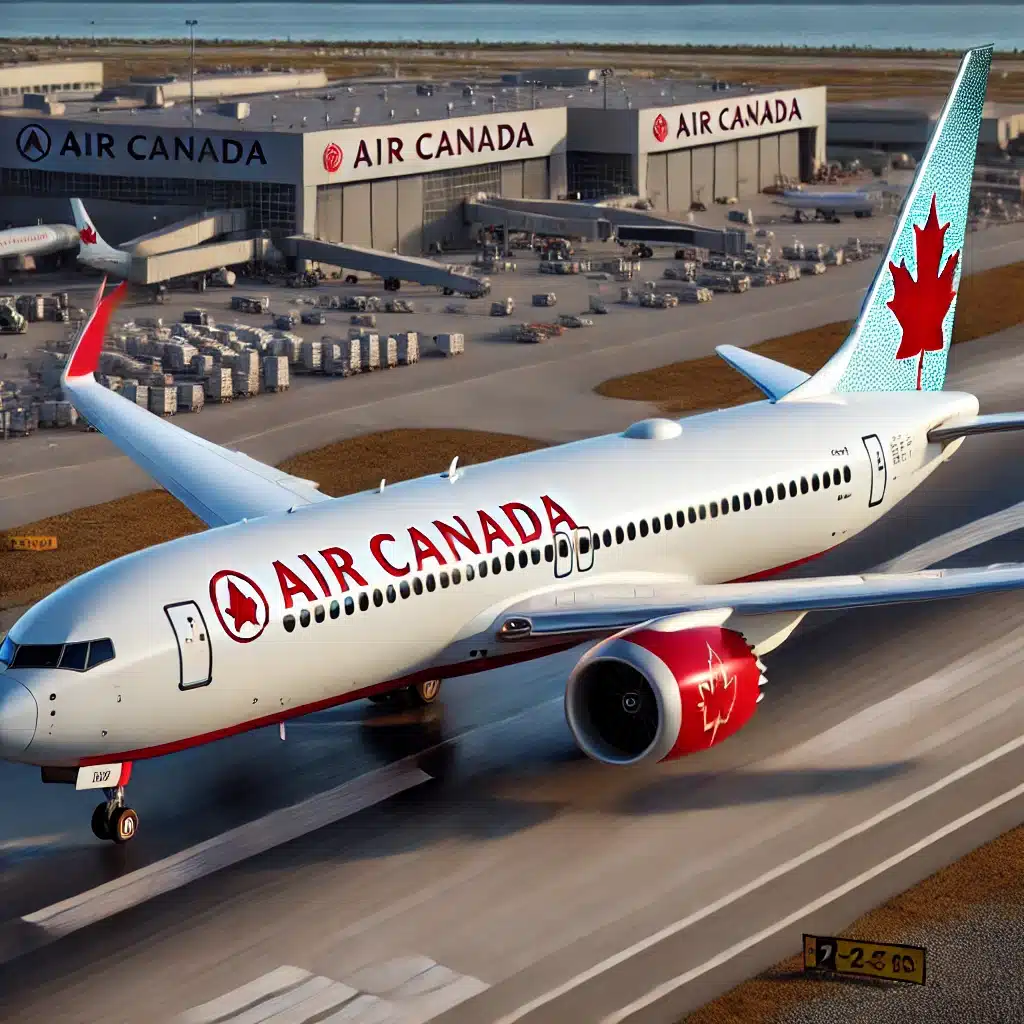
773 378
992 423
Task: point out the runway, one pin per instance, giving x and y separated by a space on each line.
543 390
536 884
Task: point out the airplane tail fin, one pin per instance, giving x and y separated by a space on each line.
92 243
901 337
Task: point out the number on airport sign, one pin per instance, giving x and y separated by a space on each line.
864 959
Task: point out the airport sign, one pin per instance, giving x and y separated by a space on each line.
890 961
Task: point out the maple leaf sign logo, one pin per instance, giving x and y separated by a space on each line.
717 694
88 234
920 306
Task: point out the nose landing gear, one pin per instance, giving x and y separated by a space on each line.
112 820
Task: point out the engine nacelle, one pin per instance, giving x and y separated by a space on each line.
655 694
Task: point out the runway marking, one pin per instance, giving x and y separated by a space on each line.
809 908
228 848
768 877
409 990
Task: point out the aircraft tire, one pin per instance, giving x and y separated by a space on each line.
100 825
424 693
123 825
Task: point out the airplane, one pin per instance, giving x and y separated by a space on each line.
660 547
829 205
93 251
39 240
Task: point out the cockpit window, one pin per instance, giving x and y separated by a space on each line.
78 657
100 651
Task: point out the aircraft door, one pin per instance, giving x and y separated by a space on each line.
584 548
879 472
564 548
195 655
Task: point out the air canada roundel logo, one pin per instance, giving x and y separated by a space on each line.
660 128
33 143
240 605
332 157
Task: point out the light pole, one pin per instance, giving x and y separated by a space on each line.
192 22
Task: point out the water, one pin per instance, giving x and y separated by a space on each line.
954 26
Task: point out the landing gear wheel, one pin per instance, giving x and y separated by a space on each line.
424 693
123 825
100 824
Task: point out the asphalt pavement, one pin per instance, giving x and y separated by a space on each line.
523 882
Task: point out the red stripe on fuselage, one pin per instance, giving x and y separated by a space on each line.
768 573
447 672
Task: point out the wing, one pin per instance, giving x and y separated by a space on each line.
219 485
602 609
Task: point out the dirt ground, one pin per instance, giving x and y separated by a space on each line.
88 537
988 302
989 875
849 75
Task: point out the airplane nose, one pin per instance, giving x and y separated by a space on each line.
18 715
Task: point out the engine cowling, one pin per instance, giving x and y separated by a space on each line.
655 694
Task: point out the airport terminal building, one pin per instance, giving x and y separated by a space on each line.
387 164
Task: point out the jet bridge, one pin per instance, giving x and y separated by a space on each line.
386 265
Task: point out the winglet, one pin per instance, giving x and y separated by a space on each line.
775 379
85 356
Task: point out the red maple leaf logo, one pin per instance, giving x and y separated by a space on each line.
241 608
921 305
660 128
88 234
717 694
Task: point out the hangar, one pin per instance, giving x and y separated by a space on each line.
387 164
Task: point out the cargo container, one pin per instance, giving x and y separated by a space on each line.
545 299
190 397
275 373
136 393
163 401
369 352
450 344
219 386
312 356
196 316
364 320
389 352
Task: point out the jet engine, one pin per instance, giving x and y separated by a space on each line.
656 693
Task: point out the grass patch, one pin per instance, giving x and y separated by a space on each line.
989 302
89 537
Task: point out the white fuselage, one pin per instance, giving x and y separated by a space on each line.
830 203
185 671
41 240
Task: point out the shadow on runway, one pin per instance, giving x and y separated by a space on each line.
707 790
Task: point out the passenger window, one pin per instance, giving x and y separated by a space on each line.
350 606
364 601
826 480
803 485
703 512
563 547
524 558
585 543
549 553
392 594
757 497
510 561
814 482
846 473
597 542
714 509
289 623
470 573
837 477
746 500
792 488
631 531
417 585
607 538
443 577
735 503
668 520
656 525
431 583
76 656
304 617
769 494
378 598
691 514
456 577
99 652
780 490
403 588
495 565
335 609
318 613
680 519
725 506
483 569
643 528
535 554
619 536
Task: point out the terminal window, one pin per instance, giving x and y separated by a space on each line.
598 175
